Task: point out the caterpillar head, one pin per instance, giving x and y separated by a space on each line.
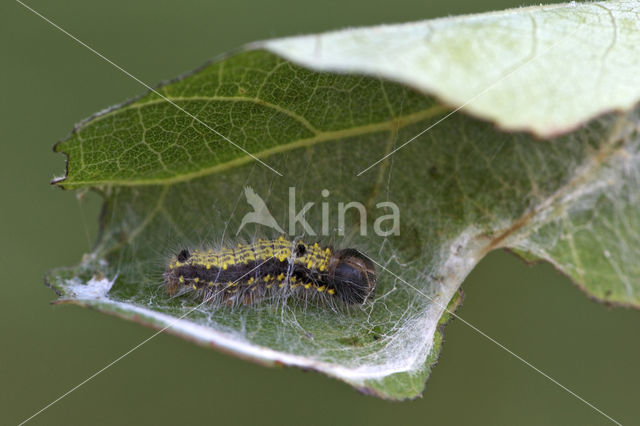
352 275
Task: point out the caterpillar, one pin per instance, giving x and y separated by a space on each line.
252 272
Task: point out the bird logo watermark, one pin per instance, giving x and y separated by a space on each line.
260 214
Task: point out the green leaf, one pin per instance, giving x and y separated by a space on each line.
546 69
462 189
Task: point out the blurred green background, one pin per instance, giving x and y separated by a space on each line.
49 83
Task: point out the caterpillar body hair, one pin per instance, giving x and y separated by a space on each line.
249 273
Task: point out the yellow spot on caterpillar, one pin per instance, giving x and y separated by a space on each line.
251 280
194 287
208 266
196 280
331 291
307 286
181 279
210 283
280 277
267 278
321 288
269 285
281 285
225 266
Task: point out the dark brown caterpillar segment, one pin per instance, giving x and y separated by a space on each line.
250 272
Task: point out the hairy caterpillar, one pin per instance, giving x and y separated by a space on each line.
251 272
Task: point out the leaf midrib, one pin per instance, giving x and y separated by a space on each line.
321 136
